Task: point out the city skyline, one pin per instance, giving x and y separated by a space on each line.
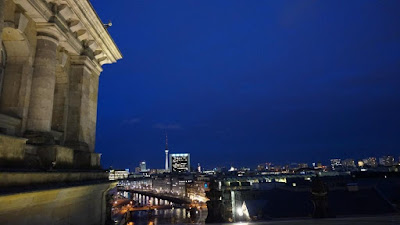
237 83
324 162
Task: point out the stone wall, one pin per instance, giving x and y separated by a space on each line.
56 156
12 151
35 179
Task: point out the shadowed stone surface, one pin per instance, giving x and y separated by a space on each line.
12 151
84 205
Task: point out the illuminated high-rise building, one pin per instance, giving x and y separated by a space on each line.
143 167
179 162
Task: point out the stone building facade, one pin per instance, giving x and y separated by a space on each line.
51 56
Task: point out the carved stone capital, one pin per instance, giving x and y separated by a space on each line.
43 36
50 32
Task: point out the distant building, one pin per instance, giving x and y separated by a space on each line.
276 168
261 167
196 190
348 163
179 162
209 172
118 174
232 169
178 185
137 169
161 184
242 171
245 169
317 165
387 160
370 162
161 171
292 166
269 166
336 163
172 183
156 171
143 167
303 165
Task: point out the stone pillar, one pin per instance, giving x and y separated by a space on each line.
42 93
82 111
60 106
80 130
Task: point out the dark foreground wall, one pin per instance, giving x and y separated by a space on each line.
78 205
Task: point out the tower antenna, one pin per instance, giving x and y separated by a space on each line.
166 140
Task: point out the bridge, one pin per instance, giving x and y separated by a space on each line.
156 197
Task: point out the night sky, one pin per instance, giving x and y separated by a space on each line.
248 82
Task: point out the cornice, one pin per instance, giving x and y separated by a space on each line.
36 9
76 25
87 15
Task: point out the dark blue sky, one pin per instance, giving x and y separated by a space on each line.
246 82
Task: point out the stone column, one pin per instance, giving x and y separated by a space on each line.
60 106
82 111
42 93
82 107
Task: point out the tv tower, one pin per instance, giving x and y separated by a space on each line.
166 152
